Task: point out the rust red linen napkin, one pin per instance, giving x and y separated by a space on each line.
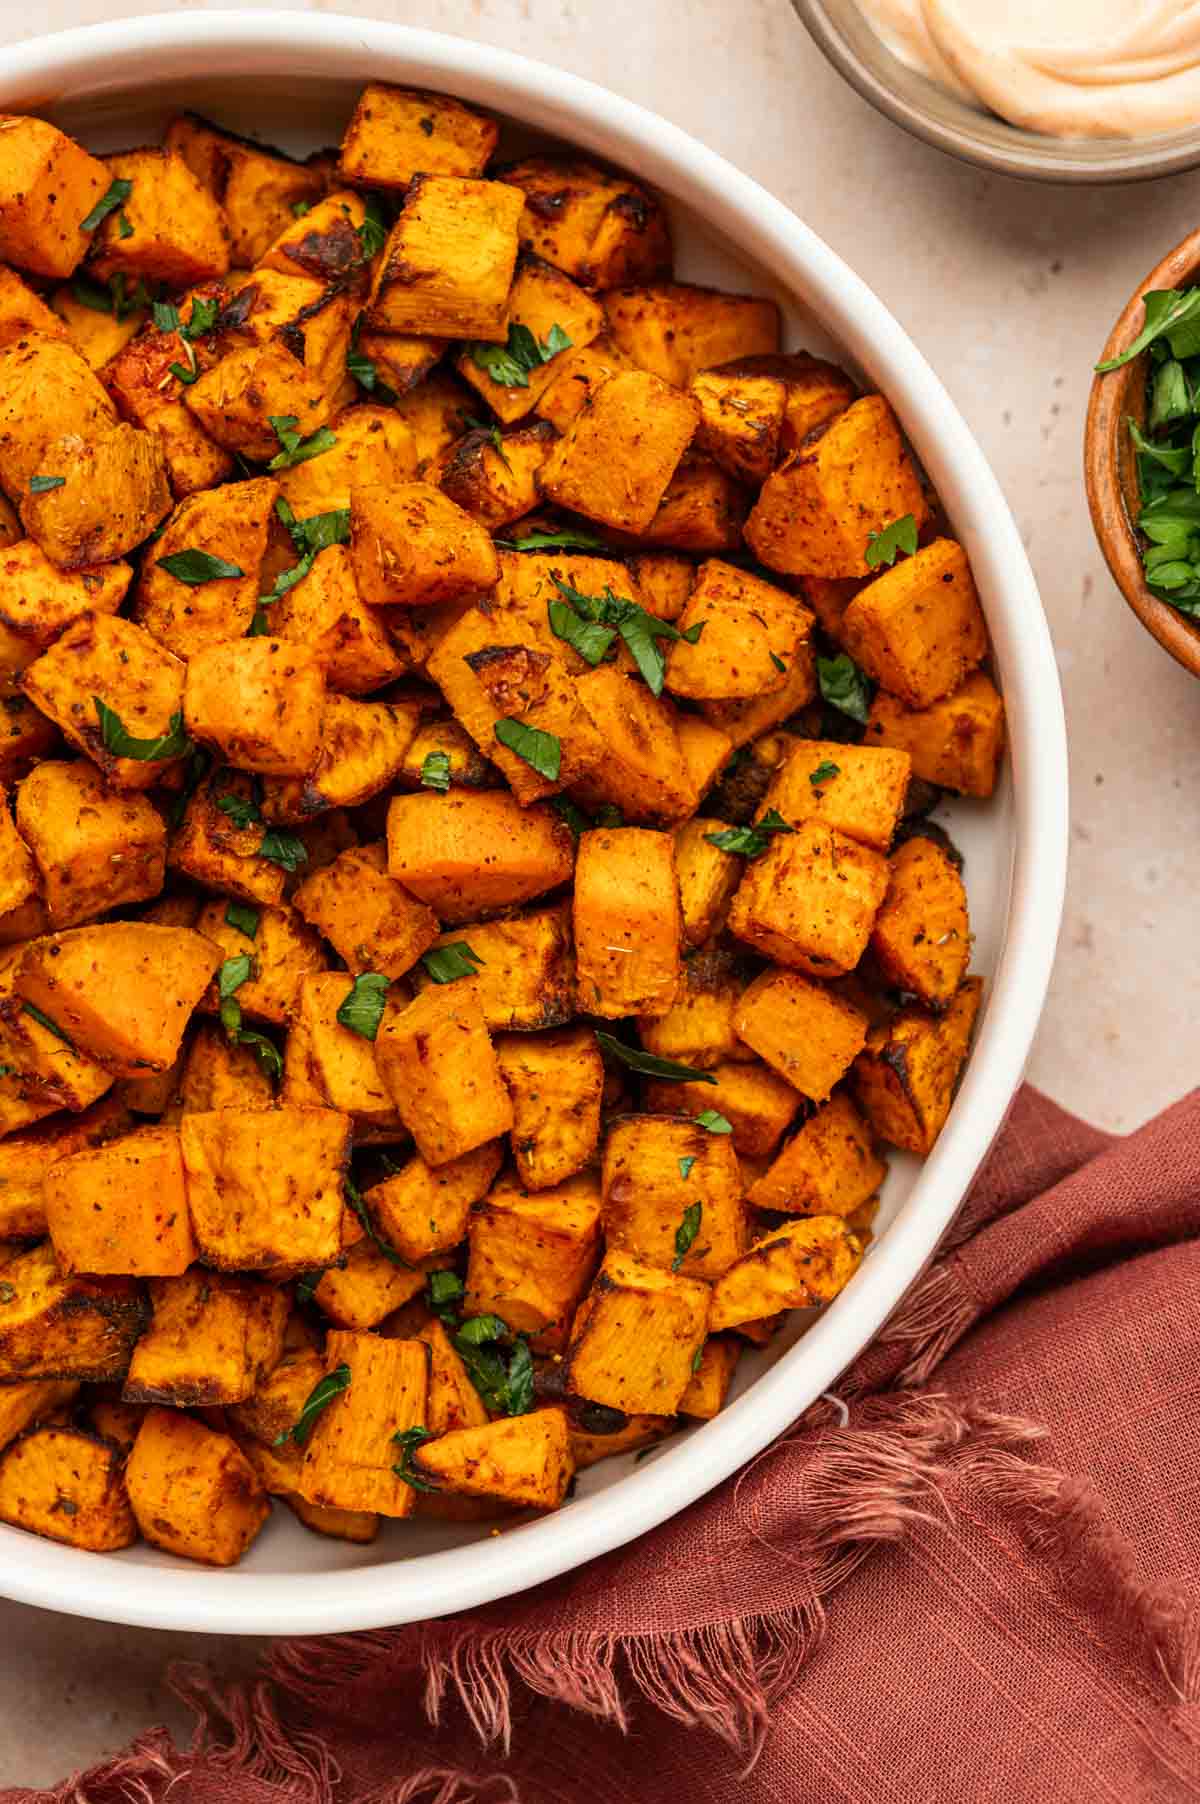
981 1585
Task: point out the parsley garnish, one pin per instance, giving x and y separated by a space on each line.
196 567
39 485
824 773
114 299
200 320
284 849
1167 312
372 233
844 686
114 196
884 547
509 364
574 816
686 1233
243 918
750 842
241 810
300 208
715 1122
319 1398
589 623
541 751
435 771
310 537
363 369
685 1165
296 448
570 539
648 1064
408 1440
362 1009
446 1291
505 1384
446 964
50 1026
174 743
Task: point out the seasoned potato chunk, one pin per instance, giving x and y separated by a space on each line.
556 1081
447 266
468 855
192 1490
453 1400
628 924
576 375
373 447
532 1255
365 1287
851 477
369 918
709 1385
213 1340
703 510
265 1189
340 1062
673 1195
438 1063
271 1411
259 702
411 546
651 422
741 418
705 751
114 493
549 305
804 1031
105 663
492 476
323 242
918 629
325 612
856 790
751 631
37 601
68 1485
830 1167
424 1209
598 225
21 1405
362 746
221 1074
642 772
236 401
396 133
906 1076
956 743
810 901
55 1326
795 1267
228 524
697 1029
169 228
674 329
526 977
48 187
635 1336
149 394
523 1460
351 1456
25 1160
744 722
707 877
284 950
94 848
922 937
47 391
212 849
121 1207
257 188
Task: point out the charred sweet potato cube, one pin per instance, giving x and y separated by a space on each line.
219 1074
322 242
122 990
285 950
697 1029
396 133
56 1326
707 878
642 772
529 583
169 228
258 702
956 743
229 523
651 422
447 266
856 790
308 320
829 1167
68 1485
121 1207
709 1384
751 631
140 380
265 1189
94 848
550 306
362 746
365 1286
519 685
810 901
628 924
48 187
906 1076
37 601
26 1158
851 477
556 1081
236 400
405 362
675 329
635 1336
524 1460
350 1459
703 510
922 936
918 629
21 1405
443 737
656 1169
600 226
803 1030
439 1065
25 736
373 448
469 854
325 613
192 1490
111 661
575 376
492 477
411 546
114 494
436 409
598 1433
745 721
257 188
369 918
213 1340
46 392
273 1408
532 1255
795 1267
526 976
340 1062
663 581
424 1209
742 412
212 849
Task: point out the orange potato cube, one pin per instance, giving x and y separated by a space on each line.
957 743
523 1460
811 900
906 1076
369 918
121 1207
37 601
229 523
805 1263
643 771
192 1490
918 629
803 1030
265 1187
656 1169
532 1255
49 187
829 1167
853 789
213 1340
411 546
447 266
67 1484
628 923
259 702
541 299
100 659
635 1337
751 634
351 1458
439 1065
424 1209
94 848
168 229
922 935
676 329
396 133
57 1326
708 1388
598 225
650 421
470 854
556 1081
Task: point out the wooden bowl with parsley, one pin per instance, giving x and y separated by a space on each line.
1139 461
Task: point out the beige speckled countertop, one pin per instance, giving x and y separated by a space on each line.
1010 290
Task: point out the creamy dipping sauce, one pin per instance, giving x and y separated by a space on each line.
1068 68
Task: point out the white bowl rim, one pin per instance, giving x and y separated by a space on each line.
143 51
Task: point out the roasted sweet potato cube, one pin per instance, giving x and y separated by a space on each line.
598 1432
702 511
453 1400
856 790
365 1286
114 494
424 1209
169 228
111 661
518 686
26 1158
642 772
524 1460
852 476
21 1405
256 187
322 242
493 477
447 266
362 746
284 949
705 750
469 854
795 1267
395 133
121 1207
526 977
743 722
444 739
236 400
628 924
265 1189
48 187
529 583
121 991
741 418
192 1490
359 1526
829 1167
751 631
804 1031
697 1029
373 448
55 1326
139 379
44 1069
228 523
922 937
308 320
352 1454
651 422
258 702
438 1063
437 409
556 1082
663 581
532 1255
212 849
545 302
18 873
37 601
635 1337
918 629
221 1074
657 1168
816 391
369 918
94 848
709 1385
411 546
213 1340
68 1485
26 736
598 225
575 376
325 612
339 1061
707 878
10 525
403 361
675 329
46 391
906 1076
956 743
810 901
271 1411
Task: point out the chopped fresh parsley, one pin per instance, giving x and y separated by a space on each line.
114 196
715 1122
648 1064
174 743
509 364
124 229
686 1232
185 373
573 815
844 686
300 208
569 539
435 771
590 623
541 751
196 567
233 974
296 448
319 1398
201 319
285 849
446 1292
498 1362
39 485
372 233
242 918
241 810
685 1165
1170 313
778 662
750 842
115 299
310 537
824 772
362 1010
885 547
408 1440
42 1020
363 369
446 964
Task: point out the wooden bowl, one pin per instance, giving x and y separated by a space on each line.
1110 467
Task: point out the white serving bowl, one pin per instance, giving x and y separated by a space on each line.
291 78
